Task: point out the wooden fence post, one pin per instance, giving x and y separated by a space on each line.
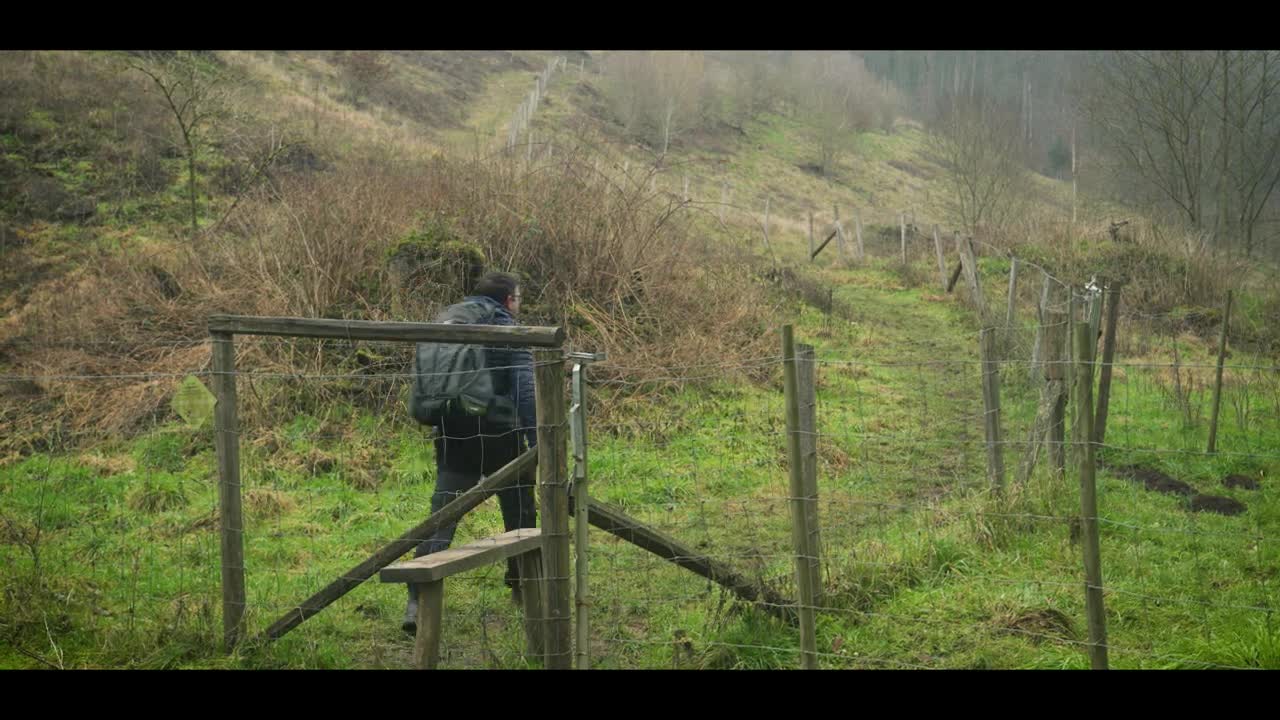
840 239
799 531
991 409
857 231
1055 357
227 444
766 222
942 262
902 232
1013 291
1094 319
969 264
1072 305
581 518
1217 382
1042 319
810 236
806 378
1089 504
554 504
1108 358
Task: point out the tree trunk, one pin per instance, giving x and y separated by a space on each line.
1073 174
1226 145
191 182
666 126
973 72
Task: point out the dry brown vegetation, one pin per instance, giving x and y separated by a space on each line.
619 267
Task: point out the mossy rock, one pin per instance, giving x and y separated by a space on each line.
434 257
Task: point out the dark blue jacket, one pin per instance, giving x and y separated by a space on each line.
519 365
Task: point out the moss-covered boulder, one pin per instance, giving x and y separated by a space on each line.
433 261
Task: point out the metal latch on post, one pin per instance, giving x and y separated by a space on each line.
578 491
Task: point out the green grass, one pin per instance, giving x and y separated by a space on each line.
923 568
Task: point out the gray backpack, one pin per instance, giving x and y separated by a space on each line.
452 381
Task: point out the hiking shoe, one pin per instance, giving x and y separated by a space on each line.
410 623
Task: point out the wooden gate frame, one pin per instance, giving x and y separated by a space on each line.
222 331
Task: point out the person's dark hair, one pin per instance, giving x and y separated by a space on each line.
497 285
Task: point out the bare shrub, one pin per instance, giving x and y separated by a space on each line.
617 266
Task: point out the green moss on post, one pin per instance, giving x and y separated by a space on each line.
432 254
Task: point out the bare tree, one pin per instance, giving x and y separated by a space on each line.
1251 139
196 93
1152 109
363 71
979 147
836 97
1200 128
656 94
757 83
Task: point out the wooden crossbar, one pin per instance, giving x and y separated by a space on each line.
440 565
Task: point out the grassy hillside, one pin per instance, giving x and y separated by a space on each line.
108 499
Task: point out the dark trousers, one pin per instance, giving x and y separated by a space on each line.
459 466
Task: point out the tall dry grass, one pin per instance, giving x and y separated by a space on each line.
624 270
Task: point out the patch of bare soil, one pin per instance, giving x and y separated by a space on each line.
1241 481
1216 504
1153 479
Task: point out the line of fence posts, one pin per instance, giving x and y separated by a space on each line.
804 431
1064 346
964 246
1055 354
523 115
1079 353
